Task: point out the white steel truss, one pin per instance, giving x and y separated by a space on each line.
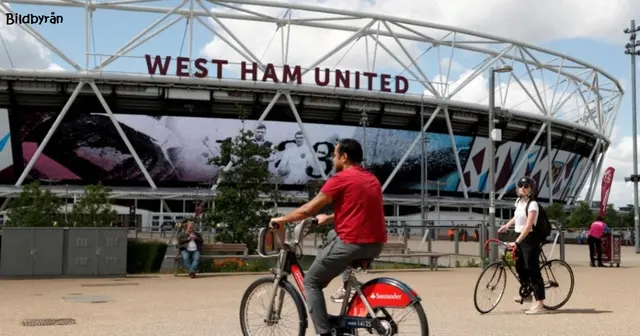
574 92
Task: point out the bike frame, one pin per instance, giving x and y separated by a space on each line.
504 262
354 312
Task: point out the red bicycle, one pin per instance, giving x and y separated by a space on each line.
368 312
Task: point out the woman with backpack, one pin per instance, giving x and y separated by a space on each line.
528 243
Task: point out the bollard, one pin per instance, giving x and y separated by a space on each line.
429 239
456 242
481 243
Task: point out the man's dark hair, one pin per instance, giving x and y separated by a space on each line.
261 126
352 148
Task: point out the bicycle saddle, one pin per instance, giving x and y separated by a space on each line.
361 263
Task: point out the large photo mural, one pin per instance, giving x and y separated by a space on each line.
6 154
566 168
176 151
87 149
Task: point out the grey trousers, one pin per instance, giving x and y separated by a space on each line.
330 262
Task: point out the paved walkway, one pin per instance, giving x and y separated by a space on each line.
604 302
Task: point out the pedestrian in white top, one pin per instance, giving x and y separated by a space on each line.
527 244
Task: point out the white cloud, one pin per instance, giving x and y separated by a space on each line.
21 50
619 156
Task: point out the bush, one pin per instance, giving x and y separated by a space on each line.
232 264
145 256
509 258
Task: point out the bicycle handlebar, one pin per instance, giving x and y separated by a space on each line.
298 236
501 243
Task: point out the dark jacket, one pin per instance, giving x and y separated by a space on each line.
183 241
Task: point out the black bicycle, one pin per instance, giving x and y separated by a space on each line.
369 312
496 275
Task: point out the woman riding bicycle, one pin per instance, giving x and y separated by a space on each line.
527 245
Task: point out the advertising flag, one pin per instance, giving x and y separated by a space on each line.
607 179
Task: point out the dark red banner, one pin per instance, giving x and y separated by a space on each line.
607 179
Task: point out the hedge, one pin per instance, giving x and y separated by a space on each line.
145 256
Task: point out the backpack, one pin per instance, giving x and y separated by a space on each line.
542 229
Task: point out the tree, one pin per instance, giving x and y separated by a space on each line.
628 218
33 207
94 208
237 211
581 216
556 212
612 217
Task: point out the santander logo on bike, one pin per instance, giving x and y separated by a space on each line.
393 296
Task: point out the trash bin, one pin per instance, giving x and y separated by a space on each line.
611 252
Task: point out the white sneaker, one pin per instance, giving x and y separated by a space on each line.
535 309
338 296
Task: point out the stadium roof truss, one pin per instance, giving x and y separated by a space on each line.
402 42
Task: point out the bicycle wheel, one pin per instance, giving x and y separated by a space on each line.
495 275
554 281
260 325
395 321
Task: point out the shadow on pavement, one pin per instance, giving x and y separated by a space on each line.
579 311
555 312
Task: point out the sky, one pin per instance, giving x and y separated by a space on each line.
589 30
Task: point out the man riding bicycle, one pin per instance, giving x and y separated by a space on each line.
359 220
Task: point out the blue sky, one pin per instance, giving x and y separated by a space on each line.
587 30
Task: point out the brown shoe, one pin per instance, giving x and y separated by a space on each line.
192 275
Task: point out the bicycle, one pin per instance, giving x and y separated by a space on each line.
499 274
367 310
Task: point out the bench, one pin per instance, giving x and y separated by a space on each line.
400 250
214 251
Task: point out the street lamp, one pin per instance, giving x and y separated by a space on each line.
493 232
630 49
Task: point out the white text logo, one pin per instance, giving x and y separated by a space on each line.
393 296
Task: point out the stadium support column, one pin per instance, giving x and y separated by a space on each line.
493 256
49 134
423 172
411 147
594 176
123 136
635 178
364 121
454 147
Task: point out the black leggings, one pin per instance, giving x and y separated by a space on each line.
595 244
528 265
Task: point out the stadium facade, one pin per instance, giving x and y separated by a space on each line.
149 132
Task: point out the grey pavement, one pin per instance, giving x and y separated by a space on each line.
604 302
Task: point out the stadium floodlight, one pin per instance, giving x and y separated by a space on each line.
630 49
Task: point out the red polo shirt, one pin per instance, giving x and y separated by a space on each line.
358 206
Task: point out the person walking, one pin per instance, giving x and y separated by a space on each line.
594 239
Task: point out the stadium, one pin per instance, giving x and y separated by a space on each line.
145 120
